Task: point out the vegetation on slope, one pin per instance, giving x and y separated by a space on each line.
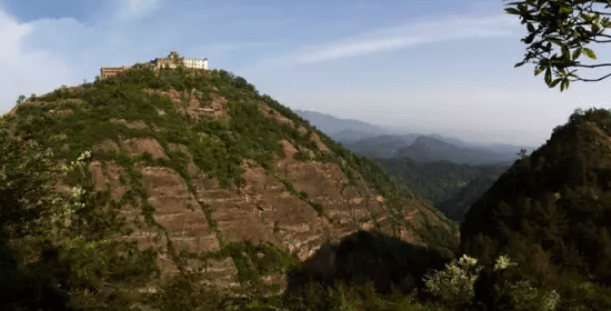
87 266
62 252
551 211
440 180
444 184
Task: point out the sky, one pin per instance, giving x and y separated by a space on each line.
436 66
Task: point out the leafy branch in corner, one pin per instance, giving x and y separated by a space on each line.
568 24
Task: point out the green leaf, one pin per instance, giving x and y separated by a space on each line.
528 39
589 53
576 54
566 10
512 11
538 70
596 17
564 85
519 64
555 41
553 84
530 27
566 54
595 29
548 76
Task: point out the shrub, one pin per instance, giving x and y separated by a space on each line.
454 286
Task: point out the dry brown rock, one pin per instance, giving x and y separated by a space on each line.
62 112
302 130
195 109
108 177
192 168
177 210
138 146
288 149
319 144
271 113
105 145
135 124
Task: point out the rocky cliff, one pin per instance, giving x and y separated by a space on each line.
209 176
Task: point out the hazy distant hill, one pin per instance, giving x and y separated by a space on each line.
384 146
426 149
380 142
329 124
349 135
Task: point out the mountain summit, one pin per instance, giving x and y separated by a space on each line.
195 171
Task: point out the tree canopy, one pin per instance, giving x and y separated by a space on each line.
564 26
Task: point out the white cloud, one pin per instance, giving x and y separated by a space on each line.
131 9
406 36
33 70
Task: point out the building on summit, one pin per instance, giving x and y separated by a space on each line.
107 72
196 63
173 61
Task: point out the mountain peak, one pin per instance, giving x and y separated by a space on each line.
206 171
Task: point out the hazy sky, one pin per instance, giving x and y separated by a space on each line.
442 66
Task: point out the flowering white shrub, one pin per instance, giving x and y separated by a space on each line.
454 285
503 263
75 202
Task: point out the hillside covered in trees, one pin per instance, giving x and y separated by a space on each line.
187 190
119 193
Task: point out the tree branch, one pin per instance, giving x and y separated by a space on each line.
590 66
591 80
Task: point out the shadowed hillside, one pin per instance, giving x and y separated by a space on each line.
551 211
457 206
370 257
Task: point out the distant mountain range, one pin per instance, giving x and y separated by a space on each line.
329 124
449 171
380 142
426 149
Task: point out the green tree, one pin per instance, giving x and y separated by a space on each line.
566 25
523 153
20 99
26 185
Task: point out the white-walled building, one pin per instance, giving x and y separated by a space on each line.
196 63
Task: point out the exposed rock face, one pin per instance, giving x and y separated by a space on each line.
262 210
168 181
190 105
138 146
136 125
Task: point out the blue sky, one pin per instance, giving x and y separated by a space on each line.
424 66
